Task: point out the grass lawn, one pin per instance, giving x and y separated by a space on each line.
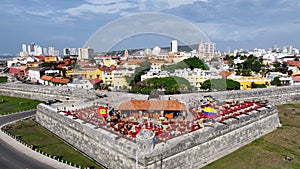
14 104
3 79
269 151
33 134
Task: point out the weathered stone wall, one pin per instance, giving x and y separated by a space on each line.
275 95
105 147
192 150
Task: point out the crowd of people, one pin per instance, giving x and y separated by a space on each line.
164 128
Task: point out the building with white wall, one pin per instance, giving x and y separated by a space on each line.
174 46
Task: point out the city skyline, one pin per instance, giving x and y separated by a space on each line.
248 25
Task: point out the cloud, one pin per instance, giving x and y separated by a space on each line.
177 3
102 2
97 9
40 13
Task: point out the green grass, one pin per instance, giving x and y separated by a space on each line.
33 134
13 104
269 151
3 79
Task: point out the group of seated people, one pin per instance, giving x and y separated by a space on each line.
164 128
225 110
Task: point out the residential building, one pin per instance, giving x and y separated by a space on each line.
85 84
246 82
85 53
119 81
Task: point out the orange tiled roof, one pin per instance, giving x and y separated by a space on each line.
170 105
95 81
225 73
47 78
60 80
293 63
296 78
40 57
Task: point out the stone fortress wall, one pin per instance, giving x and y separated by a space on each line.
192 150
275 95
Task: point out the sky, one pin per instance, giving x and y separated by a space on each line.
232 24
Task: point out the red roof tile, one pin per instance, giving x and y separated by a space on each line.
293 63
225 73
47 78
60 80
296 78
40 57
95 81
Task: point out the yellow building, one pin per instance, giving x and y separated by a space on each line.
246 82
108 77
85 74
50 59
119 78
109 62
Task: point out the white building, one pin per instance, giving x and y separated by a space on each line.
85 53
24 48
156 50
206 49
174 46
34 75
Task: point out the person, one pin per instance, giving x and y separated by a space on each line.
118 116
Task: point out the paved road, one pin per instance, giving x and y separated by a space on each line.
10 158
13 117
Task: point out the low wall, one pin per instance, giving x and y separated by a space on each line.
275 95
192 150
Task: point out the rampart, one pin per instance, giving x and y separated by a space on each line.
275 95
192 150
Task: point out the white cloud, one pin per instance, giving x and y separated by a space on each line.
177 3
102 2
40 13
97 9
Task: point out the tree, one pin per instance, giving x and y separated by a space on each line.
143 68
170 85
276 81
191 63
254 85
220 84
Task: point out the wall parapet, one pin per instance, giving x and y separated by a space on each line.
116 152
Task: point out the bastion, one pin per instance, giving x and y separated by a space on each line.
191 150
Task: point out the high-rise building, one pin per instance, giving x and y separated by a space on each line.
24 48
45 51
51 51
206 49
174 46
85 53
66 52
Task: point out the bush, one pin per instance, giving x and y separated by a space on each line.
170 85
3 79
220 84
